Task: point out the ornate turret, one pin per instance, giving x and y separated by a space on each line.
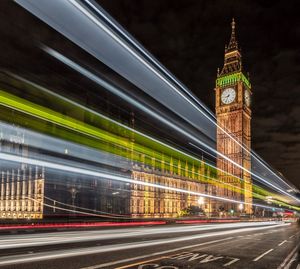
232 58
233 44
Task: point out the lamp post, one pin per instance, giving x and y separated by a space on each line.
241 207
201 202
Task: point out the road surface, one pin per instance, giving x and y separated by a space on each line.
232 245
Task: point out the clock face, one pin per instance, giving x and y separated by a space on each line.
247 98
228 96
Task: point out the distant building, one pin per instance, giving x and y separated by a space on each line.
21 186
34 192
233 111
147 201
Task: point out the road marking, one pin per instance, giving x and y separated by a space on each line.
154 254
292 236
186 257
211 258
284 241
291 261
57 254
288 259
173 250
262 255
138 263
191 256
231 262
153 265
195 256
12 243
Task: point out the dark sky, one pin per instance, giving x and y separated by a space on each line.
188 37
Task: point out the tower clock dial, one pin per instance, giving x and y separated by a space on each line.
228 96
247 98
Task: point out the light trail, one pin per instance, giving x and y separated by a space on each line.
130 129
15 158
41 13
63 121
122 43
40 114
49 143
56 254
132 101
79 207
30 240
96 8
99 224
70 123
111 120
106 215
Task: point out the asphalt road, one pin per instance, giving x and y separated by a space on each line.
236 245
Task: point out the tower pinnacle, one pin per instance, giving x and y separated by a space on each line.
232 59
233 44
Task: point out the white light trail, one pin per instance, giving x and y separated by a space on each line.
50 144
134 102
19 159
152 69
146 53
56 254
43 11
30 240
101 215
57 145
128 128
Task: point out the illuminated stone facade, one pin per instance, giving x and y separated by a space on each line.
21 186
151 202
233 97
22 194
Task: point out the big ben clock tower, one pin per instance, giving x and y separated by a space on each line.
233 111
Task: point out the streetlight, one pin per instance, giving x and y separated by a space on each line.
241 207
201 200
200 203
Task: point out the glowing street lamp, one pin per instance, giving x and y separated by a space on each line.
201 200
241 207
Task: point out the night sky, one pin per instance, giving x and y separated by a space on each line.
188 37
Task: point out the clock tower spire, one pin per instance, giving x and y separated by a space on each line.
233 111
233 57
233 44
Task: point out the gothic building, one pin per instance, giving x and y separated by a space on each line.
147 201
35 192
233 111
21 185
